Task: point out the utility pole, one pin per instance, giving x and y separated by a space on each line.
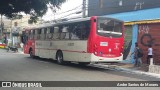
11 33
84 9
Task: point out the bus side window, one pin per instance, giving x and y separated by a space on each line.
75 33
29 34
60 32
36 34
86 31
56 33
50 32
39 33
42 34
45 32
65 33
24 37
70 28
51 29
79 31
32 33
82 31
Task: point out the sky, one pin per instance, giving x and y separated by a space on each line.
68 10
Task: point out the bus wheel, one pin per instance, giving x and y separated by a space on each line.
59 57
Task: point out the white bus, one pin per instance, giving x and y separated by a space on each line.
94 39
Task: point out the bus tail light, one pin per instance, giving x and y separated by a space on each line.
110 50
95 49
122 49
95 53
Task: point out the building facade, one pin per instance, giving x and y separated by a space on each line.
13 28
145 26
103 7
142 23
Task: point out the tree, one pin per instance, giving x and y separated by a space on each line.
36 8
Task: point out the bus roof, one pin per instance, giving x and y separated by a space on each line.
68 22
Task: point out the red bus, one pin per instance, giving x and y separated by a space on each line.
86 40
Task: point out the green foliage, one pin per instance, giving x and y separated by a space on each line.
33 19
15 16
36 8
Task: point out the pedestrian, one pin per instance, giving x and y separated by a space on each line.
5 39
150 54
137 56
21 44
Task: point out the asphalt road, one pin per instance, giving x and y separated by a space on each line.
19 67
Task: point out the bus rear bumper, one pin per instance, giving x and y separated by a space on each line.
95 58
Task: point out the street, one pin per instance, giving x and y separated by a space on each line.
20 67
79 45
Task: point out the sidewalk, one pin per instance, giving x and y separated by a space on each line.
143 70
143 67
128 68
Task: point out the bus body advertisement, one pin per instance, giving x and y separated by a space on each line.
93 39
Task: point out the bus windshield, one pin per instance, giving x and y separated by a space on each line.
109 27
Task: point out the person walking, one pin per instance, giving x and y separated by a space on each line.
150 54
137 56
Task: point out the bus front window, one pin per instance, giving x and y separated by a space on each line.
109 27
25 37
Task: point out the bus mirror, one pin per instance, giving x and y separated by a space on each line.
95 20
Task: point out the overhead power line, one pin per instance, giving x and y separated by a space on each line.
67 10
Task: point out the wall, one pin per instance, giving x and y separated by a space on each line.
149 34
127 42
104 7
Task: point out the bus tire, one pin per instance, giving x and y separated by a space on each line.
59 57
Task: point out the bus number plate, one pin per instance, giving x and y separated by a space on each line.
103 43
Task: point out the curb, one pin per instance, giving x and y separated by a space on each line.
117 68
138 72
